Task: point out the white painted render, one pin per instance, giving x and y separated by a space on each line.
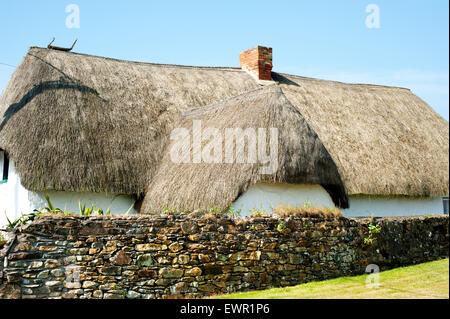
15 200
381 206
263 196
13 197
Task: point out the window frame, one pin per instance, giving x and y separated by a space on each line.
5 169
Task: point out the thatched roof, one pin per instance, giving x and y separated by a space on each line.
83 123
302 158
384 140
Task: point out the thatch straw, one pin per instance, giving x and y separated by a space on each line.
384 140
199 186
82 123
304 211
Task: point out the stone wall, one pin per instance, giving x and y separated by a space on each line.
192 256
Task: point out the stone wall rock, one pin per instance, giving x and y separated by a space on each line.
193 256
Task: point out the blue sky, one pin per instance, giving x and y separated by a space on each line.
323 39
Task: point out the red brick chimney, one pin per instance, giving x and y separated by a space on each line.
257 61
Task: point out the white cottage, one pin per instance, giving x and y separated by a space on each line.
103 131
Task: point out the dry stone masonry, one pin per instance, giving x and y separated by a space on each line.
194 256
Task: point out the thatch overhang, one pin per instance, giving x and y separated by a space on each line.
301 159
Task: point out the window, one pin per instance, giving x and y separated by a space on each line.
4 166
445 203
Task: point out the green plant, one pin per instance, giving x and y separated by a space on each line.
281 226
25 218
234 213
253 228
50 208
22 220
307 204
257 212
14 223
167 210
214 210
85 211
2 240
373 230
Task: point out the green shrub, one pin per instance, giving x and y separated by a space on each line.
281 226
373 230
51 209
233 212
85 211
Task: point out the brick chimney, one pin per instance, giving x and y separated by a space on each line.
257 61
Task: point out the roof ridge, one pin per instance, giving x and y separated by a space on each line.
346 83
223 68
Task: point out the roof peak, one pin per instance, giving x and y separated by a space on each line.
345 83
224 68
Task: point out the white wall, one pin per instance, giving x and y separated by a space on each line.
16 200
393 206
265 195
13 197
68 201
1 164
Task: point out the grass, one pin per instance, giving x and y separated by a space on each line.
307 211
424 281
